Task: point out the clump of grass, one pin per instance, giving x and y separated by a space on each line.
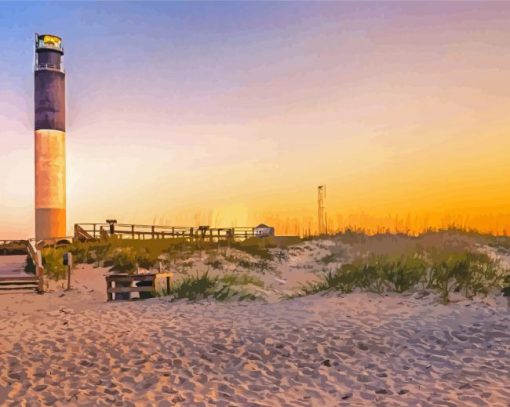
90 252
214 263
448 271
195 287
329 258
245 264
263 265
466 272
123 261
52 259
146 259
404 272
198 287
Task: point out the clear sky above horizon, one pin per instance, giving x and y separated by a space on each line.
233 113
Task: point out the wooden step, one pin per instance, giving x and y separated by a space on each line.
16 282
17 278
23 283
18 287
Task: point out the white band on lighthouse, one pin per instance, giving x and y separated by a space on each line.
50 169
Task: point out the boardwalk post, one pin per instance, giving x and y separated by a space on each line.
109 284
68 261
39 271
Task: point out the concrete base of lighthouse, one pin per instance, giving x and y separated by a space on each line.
50 223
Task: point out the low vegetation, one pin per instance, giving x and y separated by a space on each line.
52 260
448 262
202 286
445 271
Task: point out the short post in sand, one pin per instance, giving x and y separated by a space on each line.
68 262
39 271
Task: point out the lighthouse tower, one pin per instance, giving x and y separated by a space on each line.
50 161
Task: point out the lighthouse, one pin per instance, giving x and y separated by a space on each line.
50 157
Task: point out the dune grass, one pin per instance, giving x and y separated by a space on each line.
445 271
201 286
52 259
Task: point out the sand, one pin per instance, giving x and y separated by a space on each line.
73 348
356 349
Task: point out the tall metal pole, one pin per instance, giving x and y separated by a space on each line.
50 161
321 190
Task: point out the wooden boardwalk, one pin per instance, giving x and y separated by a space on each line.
93 231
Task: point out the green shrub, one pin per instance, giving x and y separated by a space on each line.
195 287
90 252
404 272
444 270
123 261
145 259
203 286
466 272
53 265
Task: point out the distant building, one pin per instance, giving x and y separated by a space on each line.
263 230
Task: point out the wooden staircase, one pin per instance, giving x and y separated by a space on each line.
13 278
13 284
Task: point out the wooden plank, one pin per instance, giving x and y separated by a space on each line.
130 278
4 283
12 288
131 275
131 289
18 278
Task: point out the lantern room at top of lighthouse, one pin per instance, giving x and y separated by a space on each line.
48 42
48 53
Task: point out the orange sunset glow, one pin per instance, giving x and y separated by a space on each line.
401 110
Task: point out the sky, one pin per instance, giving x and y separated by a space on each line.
231 114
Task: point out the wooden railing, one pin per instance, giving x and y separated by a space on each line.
97 231
36 257
9 246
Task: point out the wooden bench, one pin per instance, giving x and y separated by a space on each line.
113 288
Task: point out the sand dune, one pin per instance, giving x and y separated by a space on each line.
72 348
357 349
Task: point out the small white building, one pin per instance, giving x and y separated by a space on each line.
263 230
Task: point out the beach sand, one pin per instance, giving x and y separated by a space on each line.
323 350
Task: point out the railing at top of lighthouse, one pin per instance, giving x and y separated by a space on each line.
49 67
